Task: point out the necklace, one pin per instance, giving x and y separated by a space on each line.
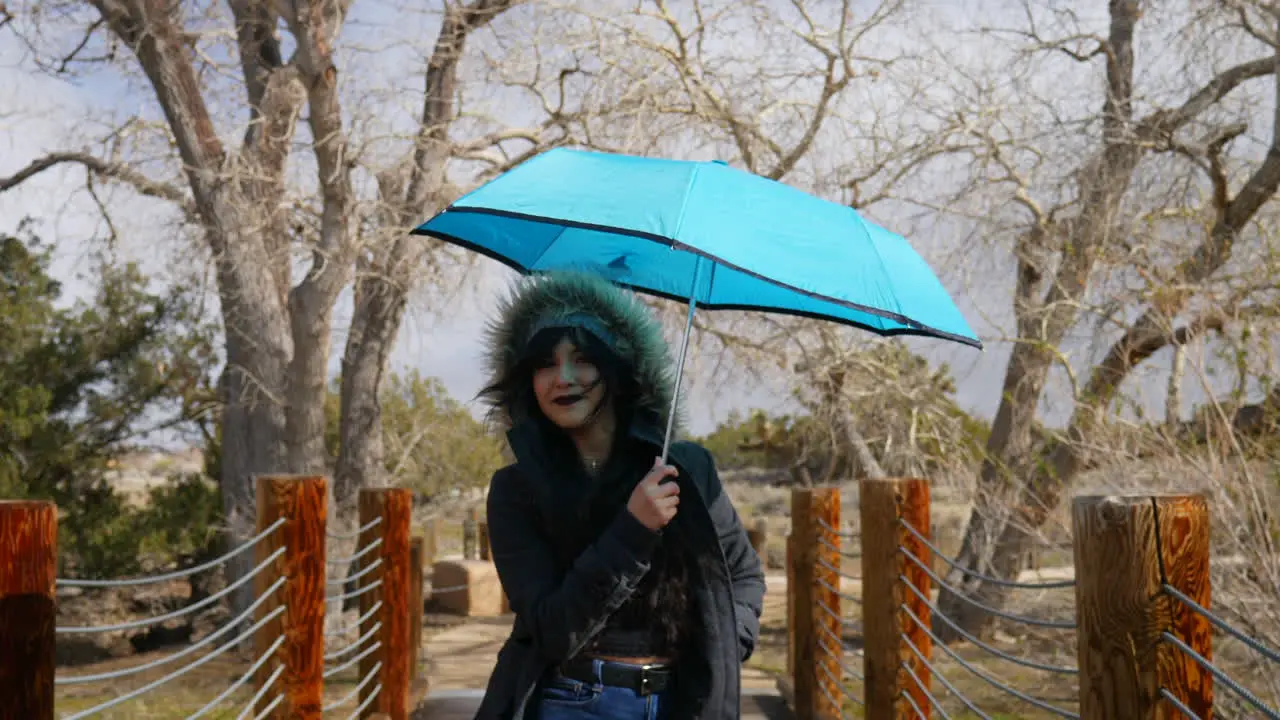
593 464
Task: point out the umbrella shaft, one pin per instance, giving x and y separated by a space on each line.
684 349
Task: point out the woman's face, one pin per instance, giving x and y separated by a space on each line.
568 387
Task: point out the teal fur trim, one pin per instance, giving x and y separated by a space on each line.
539 300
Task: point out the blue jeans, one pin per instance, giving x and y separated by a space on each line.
563 698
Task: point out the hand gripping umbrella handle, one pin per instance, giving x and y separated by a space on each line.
684 349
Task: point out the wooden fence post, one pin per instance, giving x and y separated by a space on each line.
1126 549
890 633
28 609
394 506
791 607
815 518
302 501
417 678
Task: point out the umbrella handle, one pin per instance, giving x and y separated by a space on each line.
684 349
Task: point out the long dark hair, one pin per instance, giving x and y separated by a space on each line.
662 595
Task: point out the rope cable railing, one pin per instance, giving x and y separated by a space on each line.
1181 706
1061 669
843 691
941 678
357 532
933 700
262 693
240 681
359 621
352 646
364 682
847 534
955 564
367 702
359 554
189 609
165 660
1221 624
997 684
266 711
177 574
1269 712
234 642
350 578
831 588
838 655
363 654
1058 624
835 549
343 597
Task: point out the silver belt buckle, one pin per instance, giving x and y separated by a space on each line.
645 689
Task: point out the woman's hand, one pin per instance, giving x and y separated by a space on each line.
653 502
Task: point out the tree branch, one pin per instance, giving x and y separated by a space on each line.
116 171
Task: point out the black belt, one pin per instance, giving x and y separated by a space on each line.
642 679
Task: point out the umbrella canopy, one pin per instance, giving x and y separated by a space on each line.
705 233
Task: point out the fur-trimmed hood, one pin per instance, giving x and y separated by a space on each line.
590 302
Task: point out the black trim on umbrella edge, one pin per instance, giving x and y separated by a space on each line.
914 328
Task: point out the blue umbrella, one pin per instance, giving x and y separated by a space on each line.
703 233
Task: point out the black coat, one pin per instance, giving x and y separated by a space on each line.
558 610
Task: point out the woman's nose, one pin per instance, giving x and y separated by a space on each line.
566 372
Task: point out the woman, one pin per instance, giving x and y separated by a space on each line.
636 591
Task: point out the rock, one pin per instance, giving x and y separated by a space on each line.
470 588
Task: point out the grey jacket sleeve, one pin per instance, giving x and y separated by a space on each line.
562 614
745 570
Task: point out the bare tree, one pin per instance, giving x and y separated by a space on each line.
1105 246
237 194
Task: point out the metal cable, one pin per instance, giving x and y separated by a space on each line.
1004 687
178 573
839 656
244 678
193 607
266 710
1181 706
368 614
1052 585
373 672
354 593
837 570
834 702
945 683
352 646
1060 624
175 674
227 627
843 690
835 549
1221 624
830 613
355 533
1222 677
933 699
838 591
339 668
916 708
372 566
367 701
377 542
262 692
973 639
835 531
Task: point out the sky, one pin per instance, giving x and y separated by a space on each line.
39 113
